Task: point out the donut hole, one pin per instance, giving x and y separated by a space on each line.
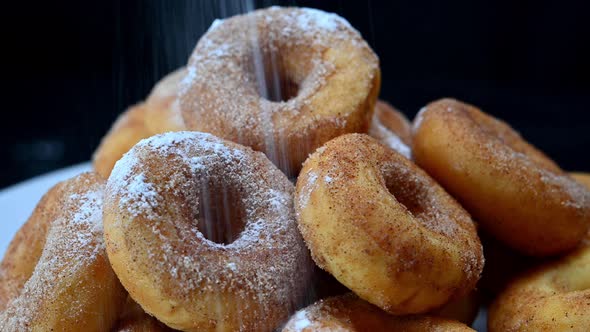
222 215
272 78
407 193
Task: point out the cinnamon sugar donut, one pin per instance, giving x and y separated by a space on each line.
128 129
26 247
349 313
72 287
384 228
392 128
516 193
553 297
282 81
202 234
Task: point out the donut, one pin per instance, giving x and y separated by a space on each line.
128 129
72 287
202 234
513 190
26 247
162 107
552 297
281 80
384 228
583 178
349 313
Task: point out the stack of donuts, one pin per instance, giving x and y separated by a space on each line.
263 187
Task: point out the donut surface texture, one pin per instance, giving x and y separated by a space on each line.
513 190
553 297
348 313
202 234
26 247
384 228
72 287
282 81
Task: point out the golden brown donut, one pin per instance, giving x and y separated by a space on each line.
72 287
202 234
26 247
128 129
349 313
384 228
513 190
162 107
282 81
553 297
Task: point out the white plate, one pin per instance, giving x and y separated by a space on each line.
17 203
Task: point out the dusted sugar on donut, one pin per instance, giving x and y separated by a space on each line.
516 193
392 128
72 287
282 81
351 314
202 234
384 228
26 247
553 297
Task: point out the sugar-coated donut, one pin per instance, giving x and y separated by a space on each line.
282 81
162 106
72 287
26 247
392 128
128 129
553 297
513 190
202 234
348 313
384 228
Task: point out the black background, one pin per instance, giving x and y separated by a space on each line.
71 66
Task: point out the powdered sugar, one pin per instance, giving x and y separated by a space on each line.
310 18
300 321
